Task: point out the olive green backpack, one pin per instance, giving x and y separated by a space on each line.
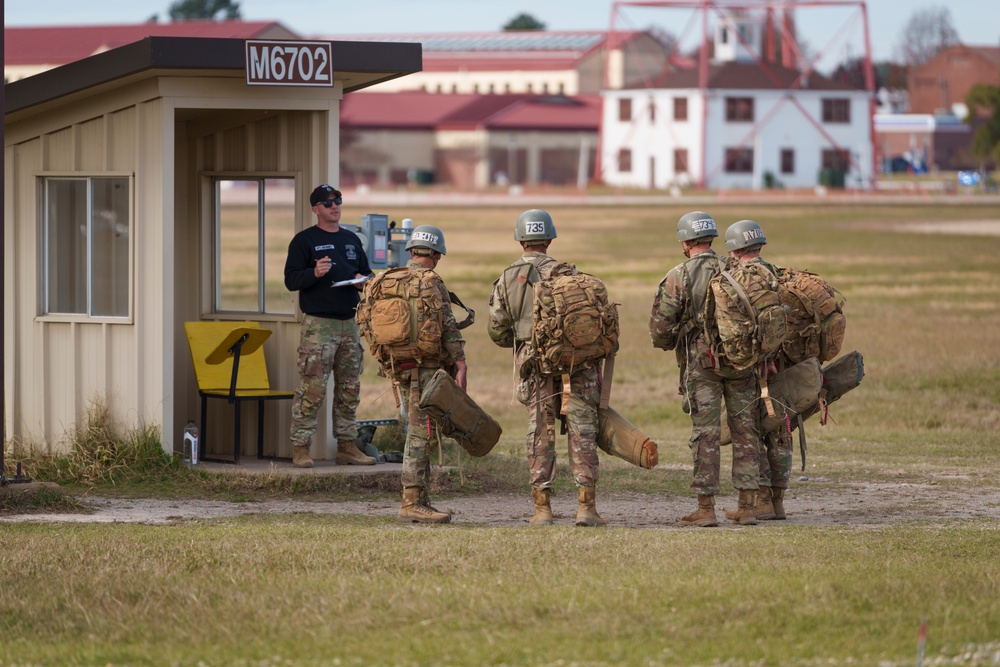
573 319
744 314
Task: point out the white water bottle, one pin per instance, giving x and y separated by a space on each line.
190 451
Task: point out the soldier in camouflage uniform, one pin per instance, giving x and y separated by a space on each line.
426 247
328 342
677 322
511 325
744 240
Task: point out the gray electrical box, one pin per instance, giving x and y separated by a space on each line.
384 243
375 229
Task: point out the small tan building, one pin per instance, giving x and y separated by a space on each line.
148 186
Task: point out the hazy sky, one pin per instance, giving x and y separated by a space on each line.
826 30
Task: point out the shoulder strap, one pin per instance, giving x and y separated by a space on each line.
470 315
740 292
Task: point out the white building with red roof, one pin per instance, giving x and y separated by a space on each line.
737 121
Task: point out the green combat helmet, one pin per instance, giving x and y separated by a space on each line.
534 225
744 234
427 236
696 225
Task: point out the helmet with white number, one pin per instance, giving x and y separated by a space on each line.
427 236
534 225
695 225
744 234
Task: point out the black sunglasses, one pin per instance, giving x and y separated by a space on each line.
330 202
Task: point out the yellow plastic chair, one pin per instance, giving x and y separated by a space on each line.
229 363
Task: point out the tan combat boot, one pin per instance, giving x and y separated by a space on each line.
587 514
414 510
778 501
349 454
744 509
300 457
763 508
704 516
543 509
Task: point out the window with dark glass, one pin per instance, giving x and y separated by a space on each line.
787 161
836 111
680 160
739 160
680 108
739 109
834 158
625 108
625 160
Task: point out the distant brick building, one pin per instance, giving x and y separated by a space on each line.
943 81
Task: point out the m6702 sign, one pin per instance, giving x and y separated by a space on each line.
287 63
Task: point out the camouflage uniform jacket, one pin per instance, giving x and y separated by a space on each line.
511 305
678 313
677 319
452 342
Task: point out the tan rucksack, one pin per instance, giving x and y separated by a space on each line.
400 321
573 320
816 322
744 314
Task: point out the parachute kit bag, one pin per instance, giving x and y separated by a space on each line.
745 307
619 437
839 377
816 322
794 391
574 321
400 321
458 416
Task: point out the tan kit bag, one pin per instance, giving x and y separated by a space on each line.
573 320
458 416
618 437
400 321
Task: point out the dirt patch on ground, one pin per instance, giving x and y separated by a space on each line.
810 503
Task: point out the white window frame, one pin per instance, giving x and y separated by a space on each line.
215 309
42 180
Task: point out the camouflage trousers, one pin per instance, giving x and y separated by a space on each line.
581 421
776 458
421 434
327 346
706 391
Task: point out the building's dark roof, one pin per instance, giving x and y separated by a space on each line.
58 45
357 64
747 76
428 111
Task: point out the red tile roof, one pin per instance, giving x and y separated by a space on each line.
524 50
747 76
58 45
421 110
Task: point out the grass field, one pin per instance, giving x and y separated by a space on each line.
924 309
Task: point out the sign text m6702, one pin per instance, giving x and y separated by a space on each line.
288 63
